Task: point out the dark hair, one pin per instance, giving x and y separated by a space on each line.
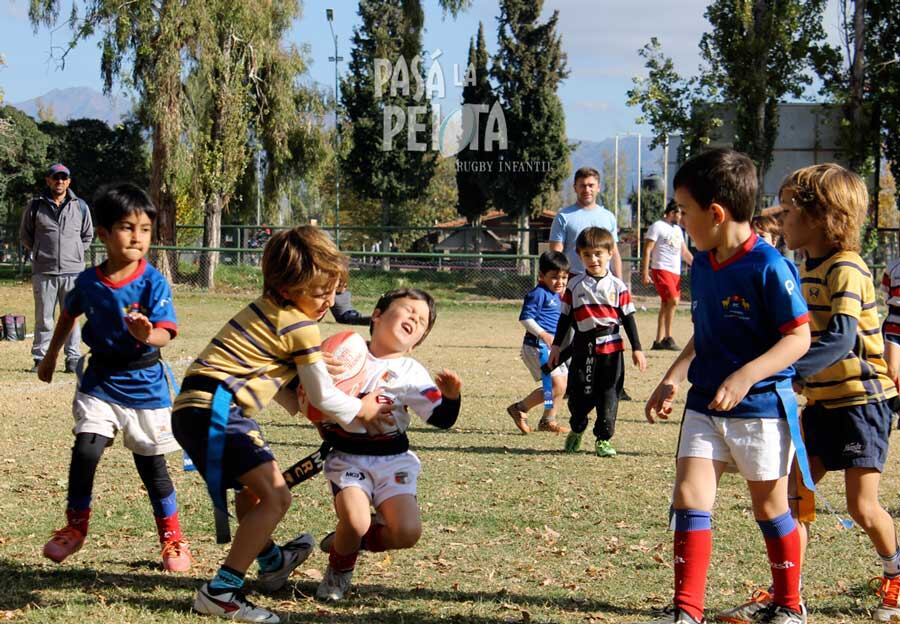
593 238
723 176
553 261
672 206
114 202
407 293
587 172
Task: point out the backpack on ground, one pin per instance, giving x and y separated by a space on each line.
13 327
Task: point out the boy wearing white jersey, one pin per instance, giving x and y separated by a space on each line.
372 465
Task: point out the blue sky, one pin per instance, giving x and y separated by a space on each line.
601 38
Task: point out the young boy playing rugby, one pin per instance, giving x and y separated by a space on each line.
130 317
539 317
374 466
596 303
890 284
750 326
847 419
259 353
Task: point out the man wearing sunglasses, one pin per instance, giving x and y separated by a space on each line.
57 229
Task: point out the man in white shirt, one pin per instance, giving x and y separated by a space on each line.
664 248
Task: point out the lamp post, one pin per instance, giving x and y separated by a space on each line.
638 135
329 14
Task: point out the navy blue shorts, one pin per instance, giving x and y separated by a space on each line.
245 447
848 437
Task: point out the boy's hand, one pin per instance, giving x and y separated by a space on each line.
661 401
639 360
731 392
547 338
139 326
449 383
335 367
645 279
375 410
554 356
46 368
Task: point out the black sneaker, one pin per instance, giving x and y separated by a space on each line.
71 365
624 396
669 344
658 345
35 367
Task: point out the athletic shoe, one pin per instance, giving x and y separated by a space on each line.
295 552
552 426
71 365
573 442
519 417
603 448
624 396
66 541
672 615
35 367
669 344
776 614
658 345
745 613
176 556
231 604
888 590
334 585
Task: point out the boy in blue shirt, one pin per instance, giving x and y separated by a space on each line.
130 316
539 316
750 325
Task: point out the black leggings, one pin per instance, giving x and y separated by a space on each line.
86 453
595 381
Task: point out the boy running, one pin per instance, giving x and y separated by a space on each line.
374 466
539 317
130 317
750 325
596 303
259 353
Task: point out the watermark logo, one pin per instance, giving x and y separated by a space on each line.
449 135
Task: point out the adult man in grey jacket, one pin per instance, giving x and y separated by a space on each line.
57 229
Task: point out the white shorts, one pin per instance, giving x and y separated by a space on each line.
145 432
380 476
532 358
759 448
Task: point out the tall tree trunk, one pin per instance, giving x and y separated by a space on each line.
854 108
160 193
212 238
479 261
524 265
760 9
385 236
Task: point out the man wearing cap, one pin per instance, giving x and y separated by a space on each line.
57 229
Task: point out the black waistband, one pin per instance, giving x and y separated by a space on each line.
201 383
363 445
112 362
531 340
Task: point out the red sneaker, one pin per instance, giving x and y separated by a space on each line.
519 417
176 556
66 541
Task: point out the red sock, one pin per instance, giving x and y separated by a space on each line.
373 540
341 563
693 547
783 547
168 528
78 518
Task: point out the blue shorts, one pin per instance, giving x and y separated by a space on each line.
848 437
245 447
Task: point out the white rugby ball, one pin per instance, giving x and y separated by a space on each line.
351 350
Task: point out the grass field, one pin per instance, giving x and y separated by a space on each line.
515 530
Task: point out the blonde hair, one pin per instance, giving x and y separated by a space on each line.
766 224
300 259
833 197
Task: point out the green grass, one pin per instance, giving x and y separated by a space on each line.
514 530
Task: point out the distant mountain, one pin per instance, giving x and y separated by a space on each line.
590 154
77 103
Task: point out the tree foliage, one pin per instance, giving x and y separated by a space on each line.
23 161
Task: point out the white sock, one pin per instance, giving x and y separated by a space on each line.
891 565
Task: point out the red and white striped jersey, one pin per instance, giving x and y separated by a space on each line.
592 303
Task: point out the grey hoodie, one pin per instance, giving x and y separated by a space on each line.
56 236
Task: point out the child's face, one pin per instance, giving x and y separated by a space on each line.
129 238
700 223
767 236
595 260
314 301
400 328
554 281
796 227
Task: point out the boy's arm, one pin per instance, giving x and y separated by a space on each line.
327 398
631 330
835 343
527 316
660 400
444 415
792 345
62 330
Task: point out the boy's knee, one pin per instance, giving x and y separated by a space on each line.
278 499
407 535
864 512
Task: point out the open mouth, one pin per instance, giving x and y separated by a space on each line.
407 327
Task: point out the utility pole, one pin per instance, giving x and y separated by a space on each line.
329 14
616 181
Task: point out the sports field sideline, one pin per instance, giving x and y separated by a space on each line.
515 531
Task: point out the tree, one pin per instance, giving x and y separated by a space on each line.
384 163
23 161
528 69
759 51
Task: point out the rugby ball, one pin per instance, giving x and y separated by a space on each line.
351 350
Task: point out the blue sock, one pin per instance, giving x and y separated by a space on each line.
164 507
227 578
270 559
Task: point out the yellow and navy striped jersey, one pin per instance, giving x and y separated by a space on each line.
255 354
842 284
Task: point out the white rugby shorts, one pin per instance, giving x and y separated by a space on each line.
380 476
145 432
531 356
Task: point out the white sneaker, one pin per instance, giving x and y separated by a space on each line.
295 552
232 605
334 585
744 614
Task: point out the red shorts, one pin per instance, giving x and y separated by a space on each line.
668 284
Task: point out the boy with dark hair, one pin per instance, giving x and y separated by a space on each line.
130 317
750 325
539 316
596 303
